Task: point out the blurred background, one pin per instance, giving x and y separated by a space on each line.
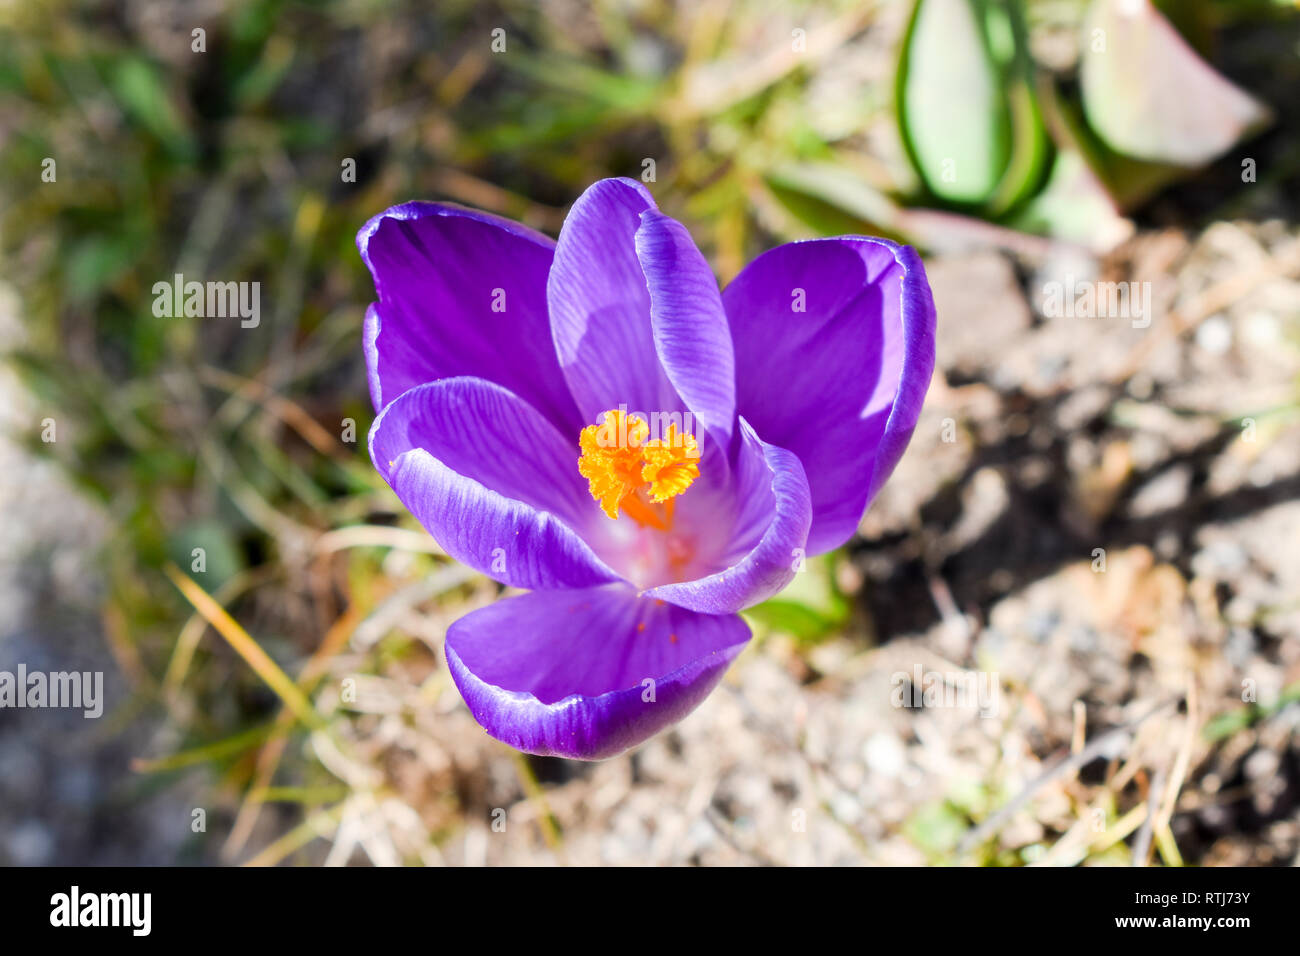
1099 512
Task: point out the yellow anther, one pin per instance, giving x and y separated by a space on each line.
671 464
626 470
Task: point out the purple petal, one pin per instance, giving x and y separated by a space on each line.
587 674
689 324
461 293
768 537
636 315
600 306
841 383
493 481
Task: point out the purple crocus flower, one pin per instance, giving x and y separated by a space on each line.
591 420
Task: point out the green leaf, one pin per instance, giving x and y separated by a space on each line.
211 542
140 89
1232 721
936 828
1030 145
832 199
791 617
1149 95
620 91
811 607
1128 181
1074 206
96 262
952 109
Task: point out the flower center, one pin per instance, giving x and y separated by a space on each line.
627 469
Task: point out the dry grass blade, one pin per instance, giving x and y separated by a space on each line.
320 824
205 754
1164 835
188 641
269 758
376 536
289 412
993 824
545 819
246 647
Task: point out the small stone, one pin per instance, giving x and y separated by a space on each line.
1214 335
884 754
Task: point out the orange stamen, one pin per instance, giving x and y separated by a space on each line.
671 464
626 470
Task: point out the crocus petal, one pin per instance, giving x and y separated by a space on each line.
689 324
461 293
839 382
587 674
768 537
635 312
492 480
600 307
